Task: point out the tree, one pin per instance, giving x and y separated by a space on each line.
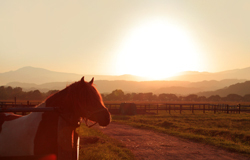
168 97
162 97
171 97
214 98
135 96
117 94
140 96
50 92
201 98
147 96
8 92
234 97
17 92
34 95
191 97
2 93
246 98
128 97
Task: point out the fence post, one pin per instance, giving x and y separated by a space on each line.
180 108
169 107
24 113
204 108
227 109
76 144
239 108
157 108
193 108
15 101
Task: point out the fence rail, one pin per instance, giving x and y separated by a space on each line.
29 109
170 107
141 108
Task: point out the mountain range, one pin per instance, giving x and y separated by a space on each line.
30 78
238 88
201 76
39 76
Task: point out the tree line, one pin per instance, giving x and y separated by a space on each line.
119 95
7 93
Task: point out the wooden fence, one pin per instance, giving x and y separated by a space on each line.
177 107
114 108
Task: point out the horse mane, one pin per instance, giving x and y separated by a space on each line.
75 91
82 89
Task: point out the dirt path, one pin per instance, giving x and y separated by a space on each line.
157 146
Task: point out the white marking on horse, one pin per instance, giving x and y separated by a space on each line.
18 135
8 114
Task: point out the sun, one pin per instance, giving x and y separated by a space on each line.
157 50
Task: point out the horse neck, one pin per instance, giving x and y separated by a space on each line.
66 106
59 99
63 100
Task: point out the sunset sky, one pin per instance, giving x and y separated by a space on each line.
151 38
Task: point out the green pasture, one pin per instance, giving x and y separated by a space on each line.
228 131
105 148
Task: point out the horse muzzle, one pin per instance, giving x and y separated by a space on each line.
102 117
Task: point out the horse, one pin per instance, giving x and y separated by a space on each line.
36 133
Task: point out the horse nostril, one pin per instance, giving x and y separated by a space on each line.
104 120
103 124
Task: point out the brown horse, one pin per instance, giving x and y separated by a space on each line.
36 133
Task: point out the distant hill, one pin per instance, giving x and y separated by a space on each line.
201 76
157 87
36 75
40 76
41 87
239 88
30 78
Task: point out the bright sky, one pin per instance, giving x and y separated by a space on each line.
152 38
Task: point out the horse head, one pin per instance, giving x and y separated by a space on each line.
91 105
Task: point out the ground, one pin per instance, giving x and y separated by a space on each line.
148 145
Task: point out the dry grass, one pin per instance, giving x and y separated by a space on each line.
228 131
95 145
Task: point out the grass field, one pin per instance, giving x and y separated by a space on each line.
228 131
105 148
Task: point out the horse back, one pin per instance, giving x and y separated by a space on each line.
7 116
33 134
18 133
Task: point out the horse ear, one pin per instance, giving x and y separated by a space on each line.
82 80
92 80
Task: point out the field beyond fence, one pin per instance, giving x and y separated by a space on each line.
228 131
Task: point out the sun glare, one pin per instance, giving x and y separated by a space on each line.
157 50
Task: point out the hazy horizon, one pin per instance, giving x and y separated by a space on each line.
187 71
154 38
